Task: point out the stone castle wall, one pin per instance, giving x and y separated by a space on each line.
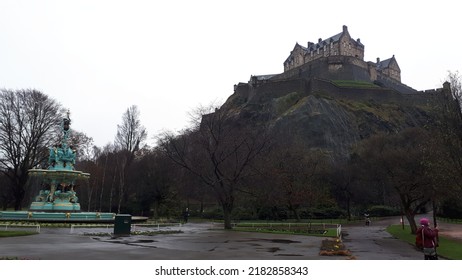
379 94
332 67
273 88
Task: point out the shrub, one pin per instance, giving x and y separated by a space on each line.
241 213
383 211
273 213
323 213
215 213
330 213
451 208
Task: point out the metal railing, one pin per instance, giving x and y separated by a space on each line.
157 226
106 226
22 227
288 226
134 227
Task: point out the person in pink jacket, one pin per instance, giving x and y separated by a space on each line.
429 239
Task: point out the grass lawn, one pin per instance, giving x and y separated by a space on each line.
354 84
448 248
15 233
312 229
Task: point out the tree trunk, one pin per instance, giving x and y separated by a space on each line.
201 210
156 209
348 208
111 194
121 193
89 196
227 209
294 210
411 219
18 197
102 185
434 209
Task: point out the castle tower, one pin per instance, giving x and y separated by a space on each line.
339 44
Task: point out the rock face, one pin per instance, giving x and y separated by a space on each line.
329 115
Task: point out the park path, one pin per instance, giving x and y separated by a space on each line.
375 243
198 242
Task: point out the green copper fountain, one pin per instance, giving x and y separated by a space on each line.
59 180
57 199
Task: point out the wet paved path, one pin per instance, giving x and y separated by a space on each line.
198 242
374 243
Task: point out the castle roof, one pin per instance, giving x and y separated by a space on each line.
321 43
327 41
332 39
385 63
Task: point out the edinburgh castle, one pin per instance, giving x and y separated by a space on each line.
339 57
329 98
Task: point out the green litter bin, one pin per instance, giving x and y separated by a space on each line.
122 224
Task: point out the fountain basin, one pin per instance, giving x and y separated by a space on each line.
55 175
56 216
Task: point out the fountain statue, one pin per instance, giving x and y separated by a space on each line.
59 180
57 199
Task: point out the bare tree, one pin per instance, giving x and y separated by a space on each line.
220 151
130 136
399 160
447 140
455 80
291 176
28 121
83 144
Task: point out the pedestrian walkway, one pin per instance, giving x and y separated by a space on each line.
374 243
197 241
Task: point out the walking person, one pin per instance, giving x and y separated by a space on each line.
186 215
427 239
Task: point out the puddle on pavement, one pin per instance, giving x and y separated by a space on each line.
282 241
271 249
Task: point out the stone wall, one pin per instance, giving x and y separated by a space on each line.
379 95
332 67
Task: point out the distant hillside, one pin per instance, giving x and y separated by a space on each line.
331 115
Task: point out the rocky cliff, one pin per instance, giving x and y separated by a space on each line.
328 115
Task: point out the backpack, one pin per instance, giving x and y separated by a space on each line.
419 240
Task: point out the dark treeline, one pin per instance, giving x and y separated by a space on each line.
223 168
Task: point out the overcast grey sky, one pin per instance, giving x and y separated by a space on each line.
98 57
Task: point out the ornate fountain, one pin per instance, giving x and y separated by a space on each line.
59 180
57 199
